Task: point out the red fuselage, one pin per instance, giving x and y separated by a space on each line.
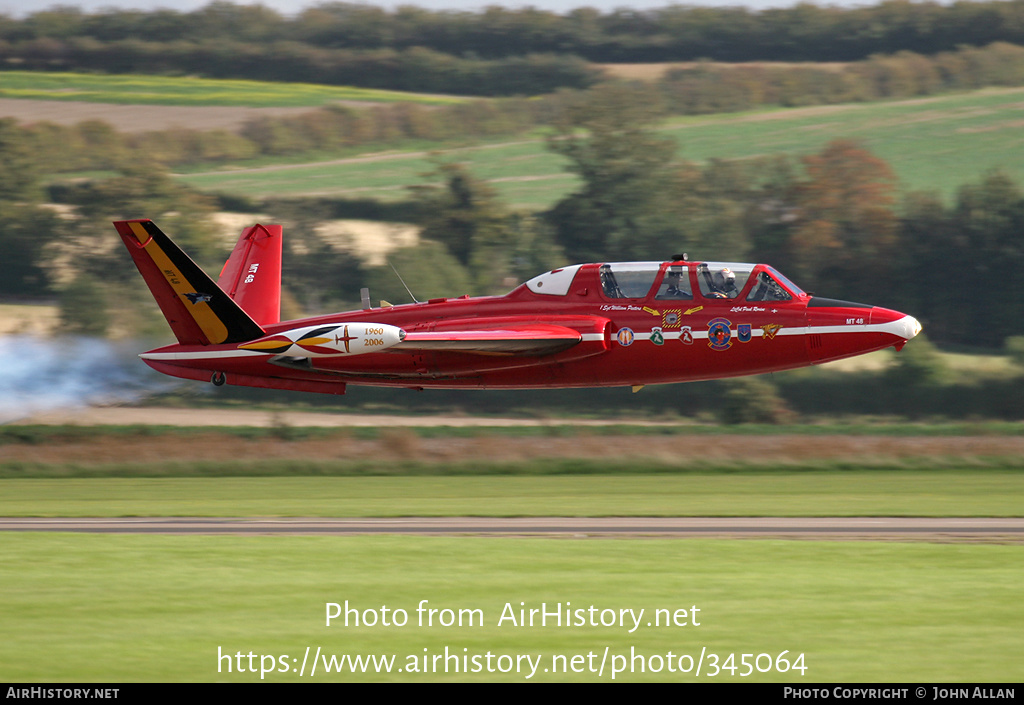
650 332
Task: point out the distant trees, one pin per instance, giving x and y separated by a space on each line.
752 400
24 232
497 248
25 227
845 223
707 87
461 212
900 47
918 366
831 216
144 190
1014 347
83 308
625 205
703 88
804 32
429 269
963 262
20 170
412 69
84 266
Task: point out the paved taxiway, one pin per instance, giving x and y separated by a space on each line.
928 529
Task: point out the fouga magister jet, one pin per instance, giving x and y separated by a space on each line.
586 325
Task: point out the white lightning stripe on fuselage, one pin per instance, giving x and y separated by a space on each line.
897 328
901 327
202 355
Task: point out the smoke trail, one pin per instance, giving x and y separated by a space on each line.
37 374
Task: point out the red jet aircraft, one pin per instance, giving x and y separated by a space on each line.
587 325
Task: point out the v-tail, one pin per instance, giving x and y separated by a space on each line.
199 311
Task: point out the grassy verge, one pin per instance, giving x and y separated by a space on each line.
965 492
40 434
179 608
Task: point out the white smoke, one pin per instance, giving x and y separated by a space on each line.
38 374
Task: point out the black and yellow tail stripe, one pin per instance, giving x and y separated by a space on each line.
219 318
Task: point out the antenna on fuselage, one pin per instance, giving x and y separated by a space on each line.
403 283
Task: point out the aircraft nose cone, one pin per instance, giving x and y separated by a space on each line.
912 327
895 323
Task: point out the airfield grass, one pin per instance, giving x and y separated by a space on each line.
178 608
936 143
643 424
963 492
942 469
153 608
126 89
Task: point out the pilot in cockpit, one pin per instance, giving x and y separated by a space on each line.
676 285
723 285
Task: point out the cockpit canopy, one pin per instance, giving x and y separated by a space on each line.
677 281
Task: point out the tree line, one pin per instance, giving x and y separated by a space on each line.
504 52
701 89
804 32
417 69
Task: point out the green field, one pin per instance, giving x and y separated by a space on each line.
124 608
936 143
191 90
170 608
523 172
886 492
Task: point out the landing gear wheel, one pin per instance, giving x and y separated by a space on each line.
218 379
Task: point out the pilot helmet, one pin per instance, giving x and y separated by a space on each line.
725 280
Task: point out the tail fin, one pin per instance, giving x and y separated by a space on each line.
252 274
198 311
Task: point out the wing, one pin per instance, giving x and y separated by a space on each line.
466 347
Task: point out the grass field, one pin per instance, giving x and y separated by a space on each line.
523 172
170 608
194 91
129 608
936 143
563 470
974 492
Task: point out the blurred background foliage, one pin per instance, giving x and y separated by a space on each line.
337 41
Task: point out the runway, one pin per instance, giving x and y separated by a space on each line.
1005 530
